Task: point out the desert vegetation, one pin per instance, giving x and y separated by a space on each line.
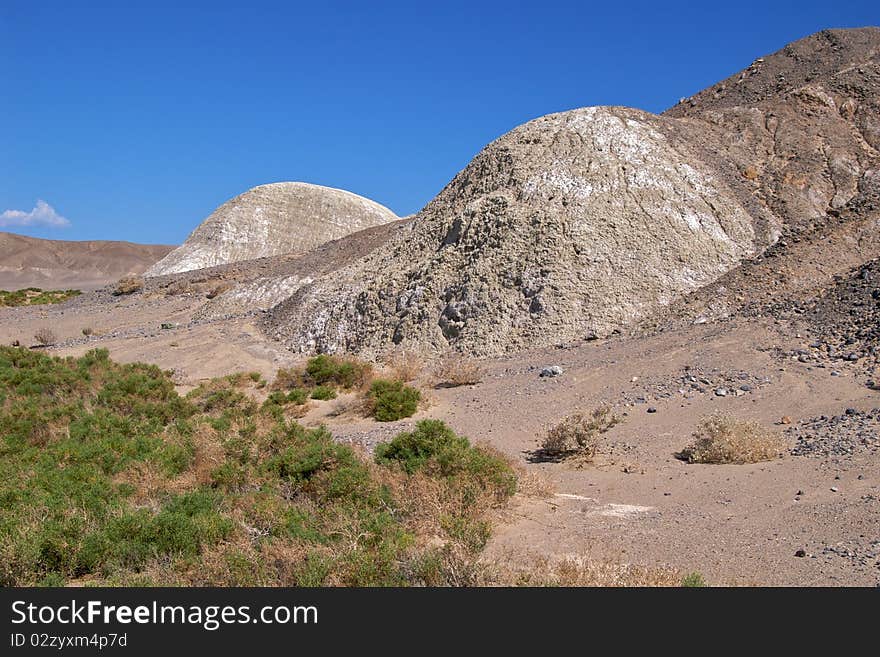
109 476
326 370
577 435
405 364
128 285
45 336
582 571
456 369
385 400
34 296
726 439
389 400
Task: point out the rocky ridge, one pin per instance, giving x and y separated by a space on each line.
579 224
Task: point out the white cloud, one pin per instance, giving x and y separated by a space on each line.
43 214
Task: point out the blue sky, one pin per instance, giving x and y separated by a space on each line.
134 120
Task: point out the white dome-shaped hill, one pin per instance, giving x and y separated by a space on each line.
274 219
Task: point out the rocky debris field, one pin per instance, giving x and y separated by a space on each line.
861 555
693 382
848 316
845 320
838 435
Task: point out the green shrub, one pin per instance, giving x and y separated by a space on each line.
392 400
325 370
434 447
693 580
107 474
33 296
298 396
414 449
346 373
323 393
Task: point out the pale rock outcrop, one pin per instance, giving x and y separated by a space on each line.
572 224
582 223
270 220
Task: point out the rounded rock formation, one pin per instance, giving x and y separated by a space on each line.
274 219
572 224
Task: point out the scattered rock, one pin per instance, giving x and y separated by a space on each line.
837 436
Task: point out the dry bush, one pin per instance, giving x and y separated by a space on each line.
128 285
456 369
87 331
219 289
405 364
532 484
535 570
750 172
45 336
725 439
578 434
287 379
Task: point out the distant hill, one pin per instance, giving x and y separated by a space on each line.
272 220
53 264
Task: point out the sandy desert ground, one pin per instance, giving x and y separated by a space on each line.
638 503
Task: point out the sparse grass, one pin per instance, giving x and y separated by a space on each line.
33 296
577 571
725 439
693 580
392 400
128 285
577 435
45 336
405 364
456 369
108 476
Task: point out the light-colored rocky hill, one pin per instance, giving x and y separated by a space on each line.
270 220
52 264
572 224
579 224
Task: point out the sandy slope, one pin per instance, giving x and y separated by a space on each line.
52 264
